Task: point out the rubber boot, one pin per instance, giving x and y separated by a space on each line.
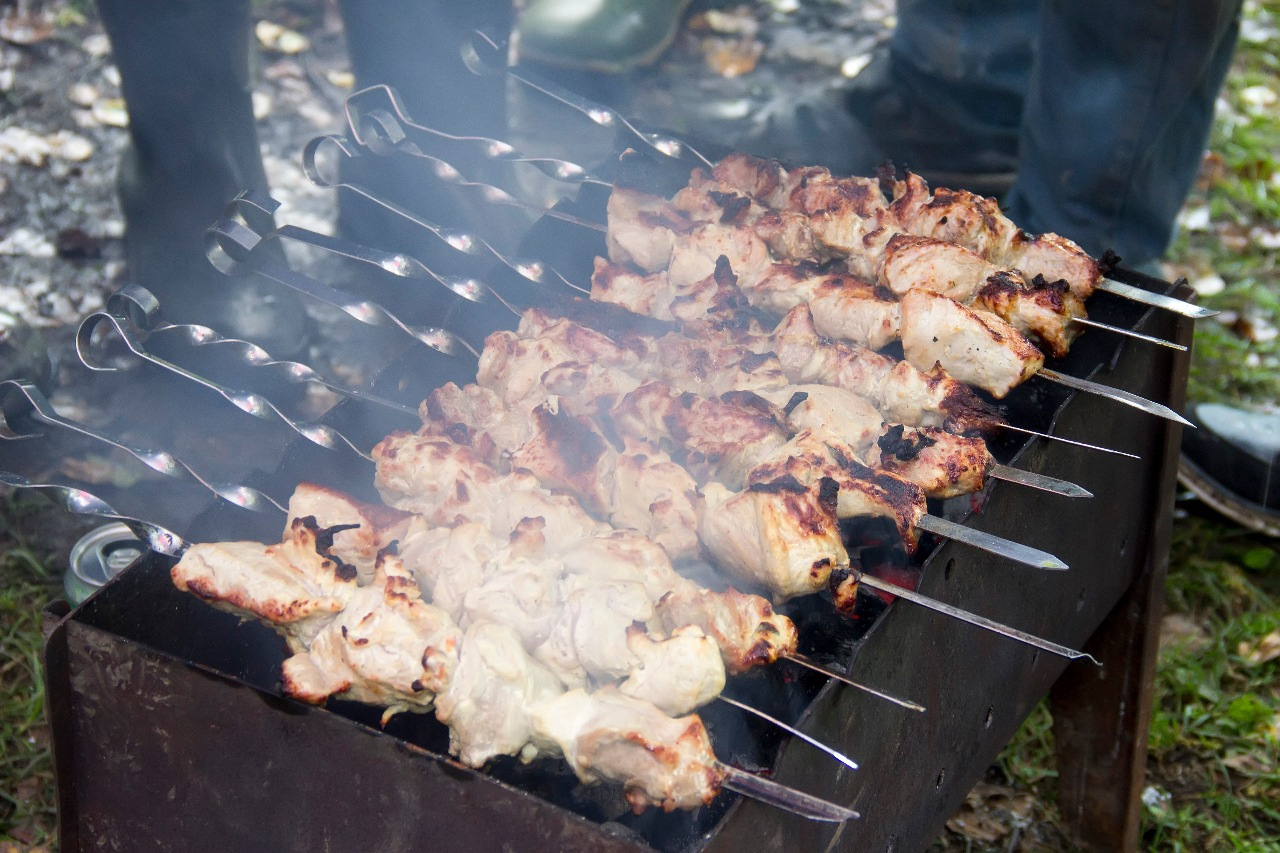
185 73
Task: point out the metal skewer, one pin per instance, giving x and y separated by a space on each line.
1015 551
140 307
246 401
1052 437
1130 333
780 796
462 241
1158 300
24 405
793 731
85 503
233 246
809 663
1116 394
972 618
1038 481
388 131
483 54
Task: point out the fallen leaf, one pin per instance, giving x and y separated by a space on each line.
1182 635
976 825
1247 764
1262 650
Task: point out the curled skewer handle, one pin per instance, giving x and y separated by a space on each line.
388 120
24 404
233 247
246 401
458 240
85 503
140 307
386 136
254 203
485 55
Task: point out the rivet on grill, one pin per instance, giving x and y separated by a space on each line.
989 718
942 775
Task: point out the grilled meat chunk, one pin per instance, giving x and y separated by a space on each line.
943 465
677 674
386 647
974 347
1040 308
780 535
487 704
659 760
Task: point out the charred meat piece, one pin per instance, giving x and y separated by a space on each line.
943 465
713 437
975 347
1039 308
844 306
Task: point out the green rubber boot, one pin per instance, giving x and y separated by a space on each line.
612 36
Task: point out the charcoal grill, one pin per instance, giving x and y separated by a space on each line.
170 732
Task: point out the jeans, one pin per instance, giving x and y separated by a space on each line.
1104 108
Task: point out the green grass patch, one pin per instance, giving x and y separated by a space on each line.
27 805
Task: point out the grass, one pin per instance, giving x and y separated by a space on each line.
26 767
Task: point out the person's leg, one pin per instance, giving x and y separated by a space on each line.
946 98
1119 108
414 46
184 69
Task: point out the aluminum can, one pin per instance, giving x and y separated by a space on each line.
97 557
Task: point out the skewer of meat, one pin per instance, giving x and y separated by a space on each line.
835 209
380 642
943 463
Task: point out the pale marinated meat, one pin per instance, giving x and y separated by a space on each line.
386 647
696 254
642 229
297 585
925 262
974 347
782 535
902 392
677 674
607 735
825 407
657 497
487 704
449 484
745 627
844 306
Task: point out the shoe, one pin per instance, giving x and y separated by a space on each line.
928 133
1230 463
612 36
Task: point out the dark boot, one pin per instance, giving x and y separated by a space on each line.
185 73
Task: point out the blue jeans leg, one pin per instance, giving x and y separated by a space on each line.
1119 108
